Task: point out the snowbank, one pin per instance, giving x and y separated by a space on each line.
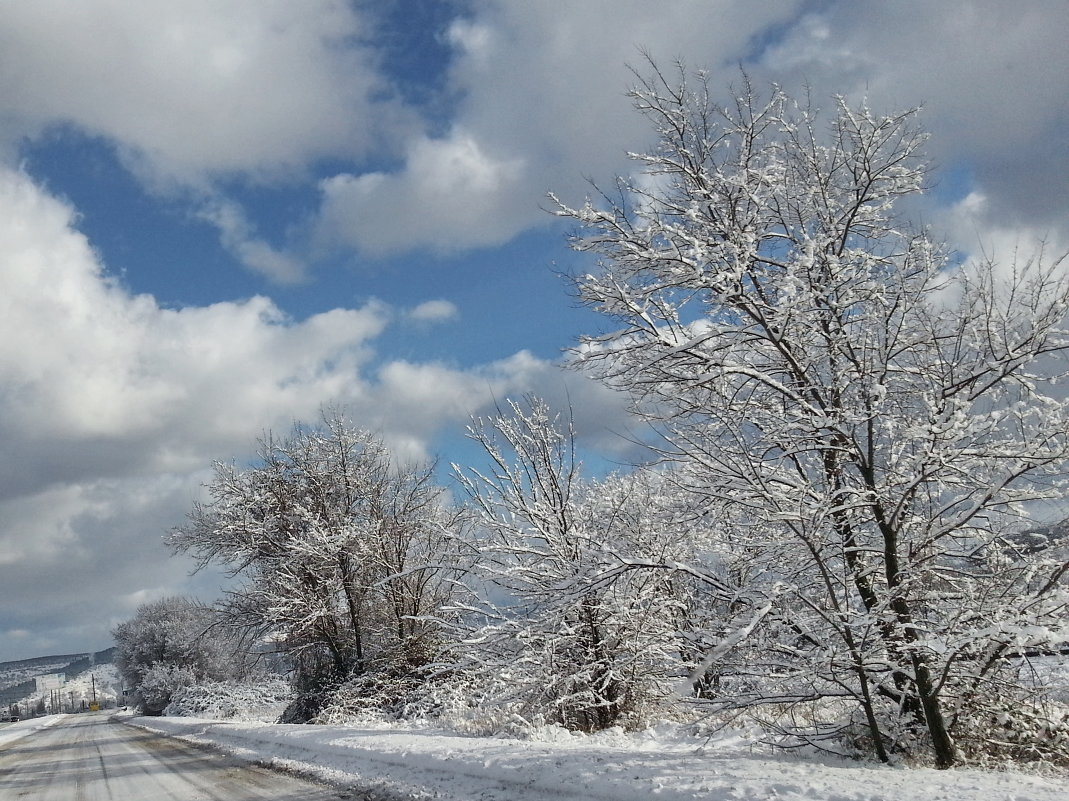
425 763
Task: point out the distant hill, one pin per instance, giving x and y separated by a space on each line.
17 678
1053 537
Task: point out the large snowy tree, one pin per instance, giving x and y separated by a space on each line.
873 419
343 555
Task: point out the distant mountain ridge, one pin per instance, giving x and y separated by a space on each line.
1041 538
17 677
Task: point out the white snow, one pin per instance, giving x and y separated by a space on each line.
99 683
425 763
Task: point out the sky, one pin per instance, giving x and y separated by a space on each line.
218 217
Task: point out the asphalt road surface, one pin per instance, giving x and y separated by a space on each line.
90 758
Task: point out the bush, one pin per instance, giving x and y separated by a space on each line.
225 700
392 695
1015 730
160 683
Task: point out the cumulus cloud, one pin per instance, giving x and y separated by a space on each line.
195 93
83 360
434 311
543 88
989 75
197 87
237 236
112 407
1008 247
88 554
96 381
543 103
451 194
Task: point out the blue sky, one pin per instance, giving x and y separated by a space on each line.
217 216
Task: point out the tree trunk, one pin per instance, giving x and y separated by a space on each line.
946 754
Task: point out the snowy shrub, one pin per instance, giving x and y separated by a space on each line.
577 611
390 695
1011 724
159 685
222 700
551 669
303 708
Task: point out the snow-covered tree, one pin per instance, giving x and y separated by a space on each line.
873 420
345 557
169 638
571 625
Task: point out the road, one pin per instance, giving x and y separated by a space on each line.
91 758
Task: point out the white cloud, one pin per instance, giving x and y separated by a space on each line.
474 40
112 408
430 398
86 552
194 93
452 193
434 311
990 75
236 235
198 87
82 358
1007 246
543 87
543 93
191 92
98 383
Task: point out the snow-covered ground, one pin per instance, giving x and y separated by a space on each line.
426 763
15 672
100 683
13 731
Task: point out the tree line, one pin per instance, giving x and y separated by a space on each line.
839 538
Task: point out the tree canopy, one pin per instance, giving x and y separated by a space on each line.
876 418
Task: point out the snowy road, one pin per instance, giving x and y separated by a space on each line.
89 758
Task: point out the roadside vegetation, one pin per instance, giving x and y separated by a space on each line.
837 542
